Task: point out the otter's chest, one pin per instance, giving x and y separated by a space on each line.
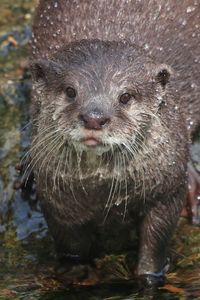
82 198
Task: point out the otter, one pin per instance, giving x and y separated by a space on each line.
115 102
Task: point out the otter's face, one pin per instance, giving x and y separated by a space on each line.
100 95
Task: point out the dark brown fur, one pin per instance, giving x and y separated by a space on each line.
81 191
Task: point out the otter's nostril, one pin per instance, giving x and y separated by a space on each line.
104 121
81 117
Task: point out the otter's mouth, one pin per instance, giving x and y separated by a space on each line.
91 141
90 138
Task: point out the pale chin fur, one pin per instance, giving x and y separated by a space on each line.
75 139
108 143
98 150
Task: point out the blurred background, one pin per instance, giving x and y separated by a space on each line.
27 258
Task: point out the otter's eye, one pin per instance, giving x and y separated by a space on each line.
125 98
70 92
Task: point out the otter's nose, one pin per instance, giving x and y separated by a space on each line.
94 120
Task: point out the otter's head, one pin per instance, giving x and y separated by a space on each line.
100 95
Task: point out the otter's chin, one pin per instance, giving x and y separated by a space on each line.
92 146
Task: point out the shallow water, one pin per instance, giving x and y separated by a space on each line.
27 259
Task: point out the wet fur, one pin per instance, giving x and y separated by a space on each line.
140 170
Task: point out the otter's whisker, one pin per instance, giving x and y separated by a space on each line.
46 154
31 157
43 140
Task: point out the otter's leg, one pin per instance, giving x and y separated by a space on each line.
75 252
156 230
76 243
193 197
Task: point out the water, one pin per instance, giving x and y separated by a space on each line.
28 264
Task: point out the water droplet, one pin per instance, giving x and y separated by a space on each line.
56 4
184 22
190 9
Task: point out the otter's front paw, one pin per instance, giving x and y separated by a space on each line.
151 280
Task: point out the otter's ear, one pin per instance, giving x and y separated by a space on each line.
42 69
163 74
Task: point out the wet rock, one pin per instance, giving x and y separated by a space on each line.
12 40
